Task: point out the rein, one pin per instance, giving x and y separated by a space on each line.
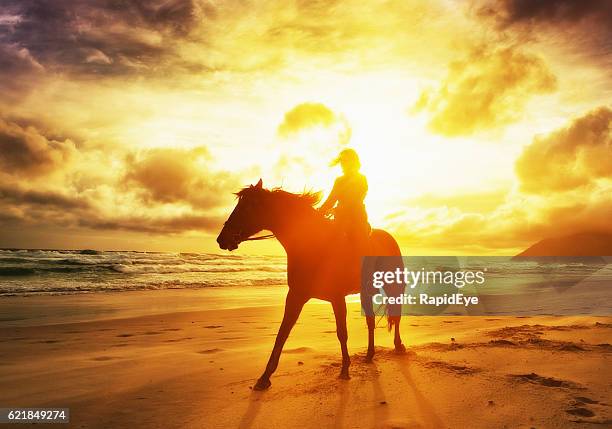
261 237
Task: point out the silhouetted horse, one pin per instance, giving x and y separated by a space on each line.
320 262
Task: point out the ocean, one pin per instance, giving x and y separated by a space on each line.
525 286
55 272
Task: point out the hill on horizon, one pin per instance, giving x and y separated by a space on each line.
580 244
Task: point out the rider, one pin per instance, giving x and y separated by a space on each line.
348 192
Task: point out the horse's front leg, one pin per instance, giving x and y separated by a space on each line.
340 314
293 307
371 326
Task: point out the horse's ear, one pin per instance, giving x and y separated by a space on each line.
259 184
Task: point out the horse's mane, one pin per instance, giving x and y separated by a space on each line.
306 200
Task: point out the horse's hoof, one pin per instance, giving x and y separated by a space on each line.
369 358
400 348
262 384
344 375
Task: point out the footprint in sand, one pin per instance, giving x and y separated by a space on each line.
580 411
578 408
298 350
45 341
603 325
581 400
446 366
176 340
125 335
502 343
213 326
543 381
209 351
571 347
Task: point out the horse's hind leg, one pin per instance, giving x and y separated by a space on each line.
340 314
371 325
397 339
293 308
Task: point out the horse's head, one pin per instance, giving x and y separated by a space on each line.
246 219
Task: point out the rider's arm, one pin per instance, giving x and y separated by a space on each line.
330 202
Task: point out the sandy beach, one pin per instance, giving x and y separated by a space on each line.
188 359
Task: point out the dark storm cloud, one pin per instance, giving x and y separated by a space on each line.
101 36
583 24
552 11
17 68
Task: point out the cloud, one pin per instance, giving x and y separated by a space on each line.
156 225
516 223
103 37
509 12
156 191
17 69
565 188
306 115
581 24
97 56
487 89
575 156
178 176
26 151
17 195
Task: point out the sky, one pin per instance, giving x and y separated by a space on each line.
482 126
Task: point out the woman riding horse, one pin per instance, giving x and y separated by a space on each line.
319 264
348 193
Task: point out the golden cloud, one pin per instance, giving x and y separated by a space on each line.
487 89
178 176
565 188
575 156
304 116
26 151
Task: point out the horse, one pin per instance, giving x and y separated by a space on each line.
320 262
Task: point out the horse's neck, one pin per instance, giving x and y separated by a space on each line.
300 233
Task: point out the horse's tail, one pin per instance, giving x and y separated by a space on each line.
383 244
